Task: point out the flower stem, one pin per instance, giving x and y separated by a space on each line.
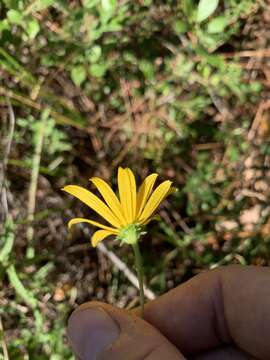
139 269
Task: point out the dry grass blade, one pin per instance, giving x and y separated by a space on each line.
3 192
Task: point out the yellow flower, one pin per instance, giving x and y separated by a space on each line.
132 211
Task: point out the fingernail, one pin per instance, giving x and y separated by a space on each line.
91 331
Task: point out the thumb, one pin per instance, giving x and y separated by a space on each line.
101 331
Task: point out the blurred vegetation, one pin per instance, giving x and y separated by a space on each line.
175 87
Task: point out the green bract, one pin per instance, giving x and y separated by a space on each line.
131 234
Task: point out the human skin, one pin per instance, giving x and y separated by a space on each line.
219 314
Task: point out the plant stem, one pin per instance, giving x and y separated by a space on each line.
139 269
30 253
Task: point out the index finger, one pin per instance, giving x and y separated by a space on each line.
223 306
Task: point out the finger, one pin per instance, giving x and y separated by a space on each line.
225 353
100 331
227 305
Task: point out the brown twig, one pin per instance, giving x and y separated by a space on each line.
248 53
254 194
264 105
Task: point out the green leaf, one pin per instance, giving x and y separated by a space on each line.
45 3
188 7
89 4
39 5
32 28
14 16
233 153
4 25
180 27
206 8
94 54
108 5
217 25
19 287
8 241
113 26
6 250
78 74
147 69
147 2
98 70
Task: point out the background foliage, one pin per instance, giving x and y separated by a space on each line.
176 87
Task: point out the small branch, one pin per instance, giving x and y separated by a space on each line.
19 288
263 106
220 105
254 194
260 53
3 341
33 185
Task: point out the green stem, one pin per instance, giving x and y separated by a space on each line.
139 269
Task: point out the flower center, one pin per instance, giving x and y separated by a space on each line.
130 234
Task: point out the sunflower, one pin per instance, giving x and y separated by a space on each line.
128 214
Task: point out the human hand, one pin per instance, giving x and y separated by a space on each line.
219 314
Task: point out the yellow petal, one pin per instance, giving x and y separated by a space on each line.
155 199
109 197
92 222
99 235
93 202
152 218
127 193
172 190
144 192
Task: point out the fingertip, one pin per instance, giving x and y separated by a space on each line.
101 330
90 331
